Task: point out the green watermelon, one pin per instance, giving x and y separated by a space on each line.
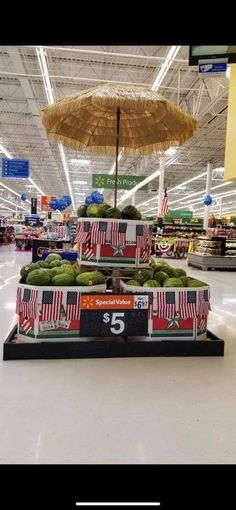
170 271
151 283
184 280
90 278
142 275
196 283
25 270
63 279
133 282
82 211
52 256
113 212
55 263
173 282
95 211
105 206
131 213
39 277
158 267
56 270
41 263
161 277
180 272
65 261
68 269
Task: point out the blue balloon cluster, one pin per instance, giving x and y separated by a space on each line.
207 200
95 198
23 197
60 204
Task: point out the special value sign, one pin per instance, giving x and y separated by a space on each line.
114 315
124 181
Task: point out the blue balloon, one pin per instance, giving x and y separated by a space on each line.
54 204
23 197
207 200
97 197
62 204
67 200
89 200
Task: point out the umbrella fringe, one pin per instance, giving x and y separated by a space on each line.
111 150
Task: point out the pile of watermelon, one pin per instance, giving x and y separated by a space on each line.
161 274
104 210
58 272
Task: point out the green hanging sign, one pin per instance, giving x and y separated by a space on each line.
185 216
107 181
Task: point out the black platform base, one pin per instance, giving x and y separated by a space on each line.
213 346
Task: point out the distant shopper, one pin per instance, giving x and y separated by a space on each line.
212 221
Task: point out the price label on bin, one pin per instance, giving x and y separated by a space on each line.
114 315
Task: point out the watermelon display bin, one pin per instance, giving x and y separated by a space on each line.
114 242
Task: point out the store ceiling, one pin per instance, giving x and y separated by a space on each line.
23 95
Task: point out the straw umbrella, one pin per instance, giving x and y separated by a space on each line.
110 116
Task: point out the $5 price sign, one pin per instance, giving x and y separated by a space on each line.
114 315
116 320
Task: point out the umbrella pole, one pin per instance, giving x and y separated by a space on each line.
117 150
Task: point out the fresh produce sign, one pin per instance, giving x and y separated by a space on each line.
114 315
107 181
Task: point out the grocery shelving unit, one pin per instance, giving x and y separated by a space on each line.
214 253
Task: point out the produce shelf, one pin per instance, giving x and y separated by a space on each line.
110 348
206 262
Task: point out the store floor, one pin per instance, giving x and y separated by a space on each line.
138 410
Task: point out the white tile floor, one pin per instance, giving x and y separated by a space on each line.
138 410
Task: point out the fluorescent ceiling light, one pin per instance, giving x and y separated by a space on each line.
219 169
165 66
66 170
35 186
13 203
178 185
139 185
80 182
75 161
41 55
4 151
171 151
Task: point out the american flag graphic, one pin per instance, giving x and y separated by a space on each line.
140 236
88 253
166 304
150 228
202 323
83 233
204 305
28 303
18 300
72 305
145 254
118 233
26 326
51 305
98 232
165 207
187 304
59 230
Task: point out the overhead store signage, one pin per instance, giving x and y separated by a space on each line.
113 315
15 168
107 181
45 200
180 214
212 69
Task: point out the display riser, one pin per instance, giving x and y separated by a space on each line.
110 348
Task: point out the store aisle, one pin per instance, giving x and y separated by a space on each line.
140 410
